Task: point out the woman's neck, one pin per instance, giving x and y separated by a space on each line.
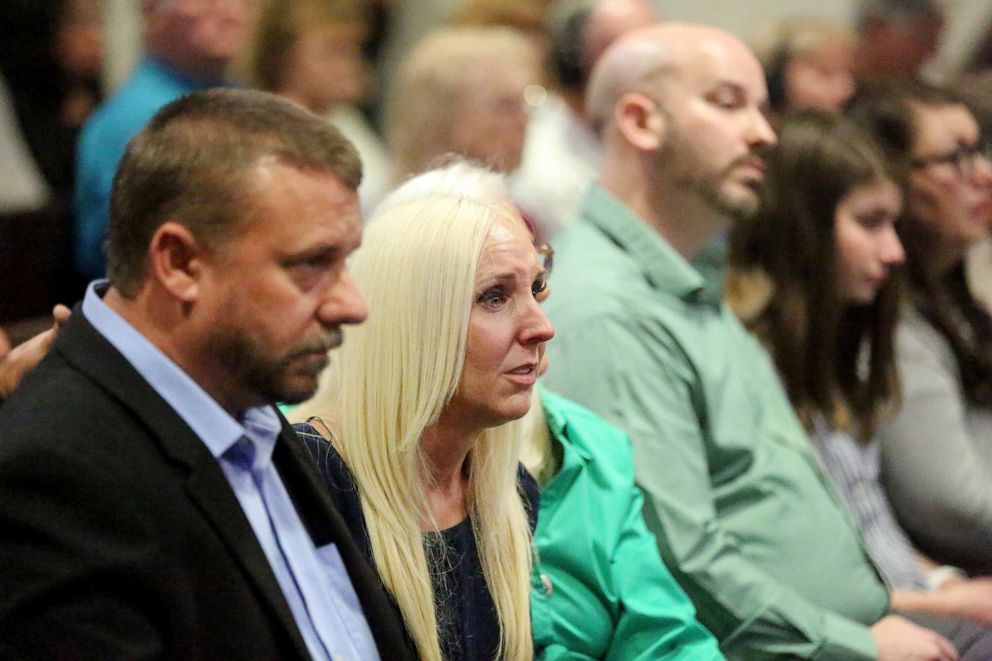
446 474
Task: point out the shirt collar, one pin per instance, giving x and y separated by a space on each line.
209 421
663 267
558 424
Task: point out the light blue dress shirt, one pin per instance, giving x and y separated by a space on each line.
313 580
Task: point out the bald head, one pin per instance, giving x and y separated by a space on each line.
643 59
681 112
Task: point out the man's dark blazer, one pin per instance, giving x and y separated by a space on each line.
120 536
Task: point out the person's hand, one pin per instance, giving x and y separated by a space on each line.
25 357
967 599
898 639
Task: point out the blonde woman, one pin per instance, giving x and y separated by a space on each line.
597 592
419 437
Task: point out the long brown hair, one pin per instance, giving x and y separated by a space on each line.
835 359
945 301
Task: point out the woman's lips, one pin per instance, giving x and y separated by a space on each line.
524 374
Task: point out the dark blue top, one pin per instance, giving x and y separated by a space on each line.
467 622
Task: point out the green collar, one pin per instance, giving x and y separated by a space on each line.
663 267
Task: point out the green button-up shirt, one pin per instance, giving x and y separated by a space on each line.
743 516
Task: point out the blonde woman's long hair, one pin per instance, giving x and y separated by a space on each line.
391 379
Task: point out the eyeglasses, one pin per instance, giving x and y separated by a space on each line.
963 158
547 253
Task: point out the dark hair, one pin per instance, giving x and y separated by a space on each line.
194 163
897 12
835 359
567 24
889 112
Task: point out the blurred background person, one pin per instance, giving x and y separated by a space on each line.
976 90
311 51
561 152
896 38
188 46
525 16
808 64
937 448
461 91
813 276
51 55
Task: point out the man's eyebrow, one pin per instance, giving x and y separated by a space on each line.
325 251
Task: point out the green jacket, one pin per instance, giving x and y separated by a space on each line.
600 590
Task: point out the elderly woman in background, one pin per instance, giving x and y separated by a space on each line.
937 449
600 589
461 91
419 436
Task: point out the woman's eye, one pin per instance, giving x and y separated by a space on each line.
540 286
872 222
492 299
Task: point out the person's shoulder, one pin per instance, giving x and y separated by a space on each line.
54 399
602 442
329 462
128 110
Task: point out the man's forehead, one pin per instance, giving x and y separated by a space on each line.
711 65
311 197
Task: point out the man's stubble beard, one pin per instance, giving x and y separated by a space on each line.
244 361
674 156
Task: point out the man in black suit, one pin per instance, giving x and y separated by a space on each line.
153 503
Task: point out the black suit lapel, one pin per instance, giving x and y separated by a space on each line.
325 525
83 347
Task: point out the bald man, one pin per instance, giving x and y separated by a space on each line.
742 514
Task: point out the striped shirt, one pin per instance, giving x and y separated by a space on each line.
853 468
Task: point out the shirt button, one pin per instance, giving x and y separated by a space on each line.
546 582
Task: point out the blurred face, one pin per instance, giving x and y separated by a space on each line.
866 240
951 183
507 330
277 293
821 78
902 50
491 120
206 32
79 39
717 130
326 67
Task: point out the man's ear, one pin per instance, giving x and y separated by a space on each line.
175 260
641 121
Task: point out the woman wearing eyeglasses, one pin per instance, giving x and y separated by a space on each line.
937 449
